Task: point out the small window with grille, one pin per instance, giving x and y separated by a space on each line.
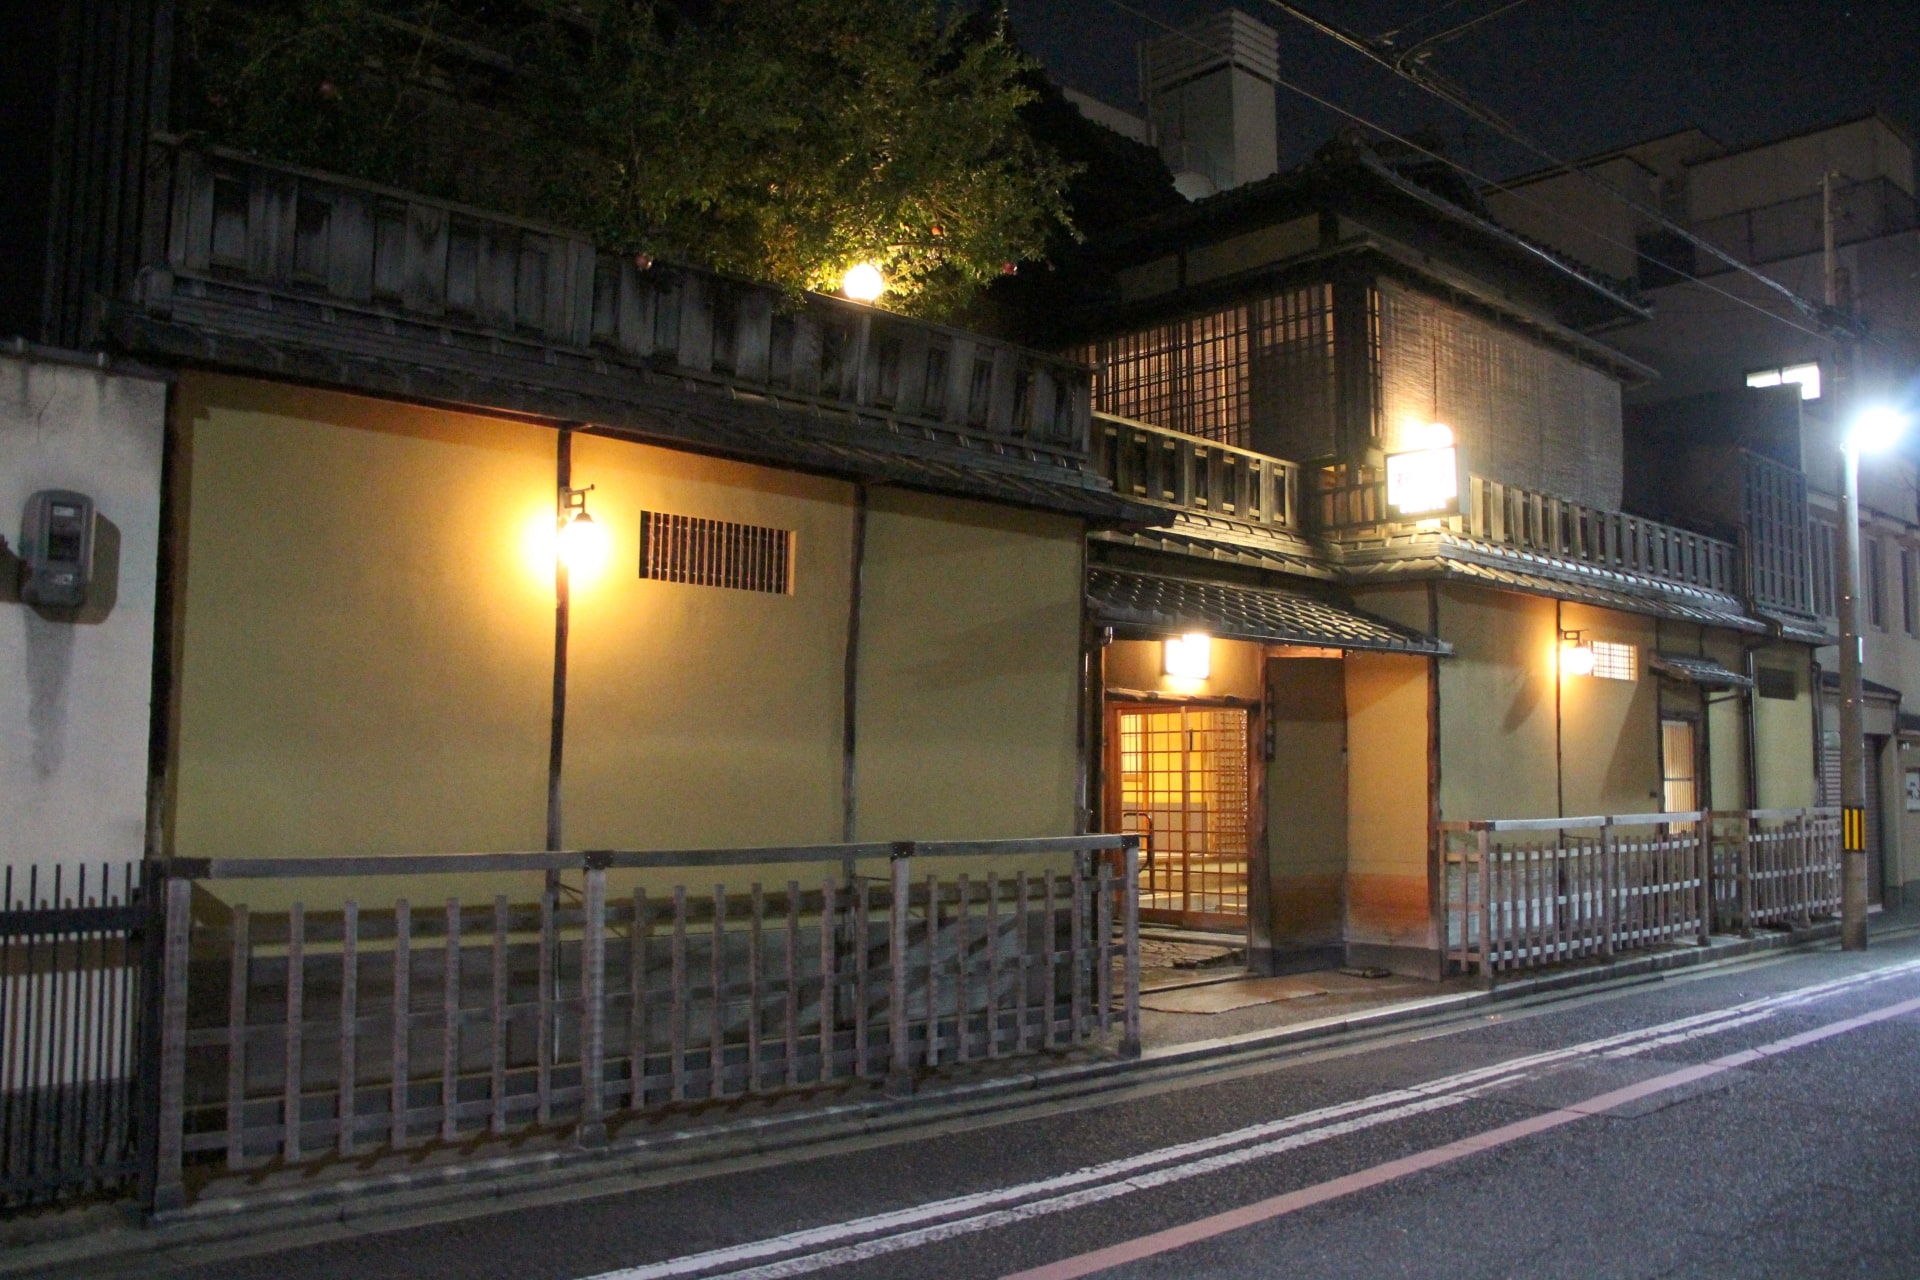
1614 661
715 553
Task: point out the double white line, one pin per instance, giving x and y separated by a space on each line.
837 1244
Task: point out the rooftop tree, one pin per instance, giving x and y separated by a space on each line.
782 140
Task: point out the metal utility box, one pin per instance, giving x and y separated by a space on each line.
56 549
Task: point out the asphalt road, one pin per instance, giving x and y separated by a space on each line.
1754 1121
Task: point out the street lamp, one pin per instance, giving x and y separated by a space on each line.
1873 430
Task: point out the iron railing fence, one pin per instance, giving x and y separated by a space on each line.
1528 893
69 1012
355 1016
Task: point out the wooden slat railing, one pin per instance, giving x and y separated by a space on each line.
380 1022
1775 867
1528 893
1354 501
234 228
1174 469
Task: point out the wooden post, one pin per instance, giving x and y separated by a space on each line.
169 1186
349 1025
402 1025
899 1077
239 961
1609 876
592 1130
1701 892
1130 1016
1486 908
450 1028
296 1016
1745 864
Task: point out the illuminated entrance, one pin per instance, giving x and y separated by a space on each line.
1183 786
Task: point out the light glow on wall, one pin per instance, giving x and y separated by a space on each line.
1189 657
1426 478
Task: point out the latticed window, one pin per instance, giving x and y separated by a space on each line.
1824 535
1268 361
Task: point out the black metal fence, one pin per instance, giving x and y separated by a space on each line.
69 1010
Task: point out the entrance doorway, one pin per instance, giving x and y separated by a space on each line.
1183 787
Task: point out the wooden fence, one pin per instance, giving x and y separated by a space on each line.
292 1035
1775 867
1526 893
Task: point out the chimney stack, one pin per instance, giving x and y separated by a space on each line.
1209 93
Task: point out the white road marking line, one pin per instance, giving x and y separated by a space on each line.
1219 1224
913 1225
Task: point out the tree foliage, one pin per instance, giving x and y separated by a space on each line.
778 139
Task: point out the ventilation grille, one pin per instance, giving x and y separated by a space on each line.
715 553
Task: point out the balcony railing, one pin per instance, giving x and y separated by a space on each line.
1510 516
1864 210
319 247
1171 468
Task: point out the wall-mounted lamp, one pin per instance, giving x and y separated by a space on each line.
583 542
1188 657
1425 480
1576 654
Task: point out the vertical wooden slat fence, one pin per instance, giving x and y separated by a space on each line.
1775 867
314 1031
70 1000
1527 893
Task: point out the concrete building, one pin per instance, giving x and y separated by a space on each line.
1746 374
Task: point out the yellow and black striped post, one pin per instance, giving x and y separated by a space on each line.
1853 829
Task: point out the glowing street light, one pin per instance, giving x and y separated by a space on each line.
1876 429
863 282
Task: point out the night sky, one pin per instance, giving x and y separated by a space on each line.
1581 76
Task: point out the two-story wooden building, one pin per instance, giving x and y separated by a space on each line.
1398 588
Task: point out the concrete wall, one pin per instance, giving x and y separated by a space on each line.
75 686
367 646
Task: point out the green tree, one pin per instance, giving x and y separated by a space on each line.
782 140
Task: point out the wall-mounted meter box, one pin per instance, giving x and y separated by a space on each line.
56 549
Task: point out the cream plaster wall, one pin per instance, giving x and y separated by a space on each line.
970 666
1138 666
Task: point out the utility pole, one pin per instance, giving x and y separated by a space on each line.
1853 743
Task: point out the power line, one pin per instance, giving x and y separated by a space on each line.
1483 180
1408 67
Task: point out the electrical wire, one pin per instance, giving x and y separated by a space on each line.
1483 180
1407 68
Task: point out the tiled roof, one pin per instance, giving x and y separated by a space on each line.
1704 672
1168 605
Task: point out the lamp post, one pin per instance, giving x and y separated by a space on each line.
1874 430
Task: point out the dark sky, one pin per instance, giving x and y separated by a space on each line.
1581 76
